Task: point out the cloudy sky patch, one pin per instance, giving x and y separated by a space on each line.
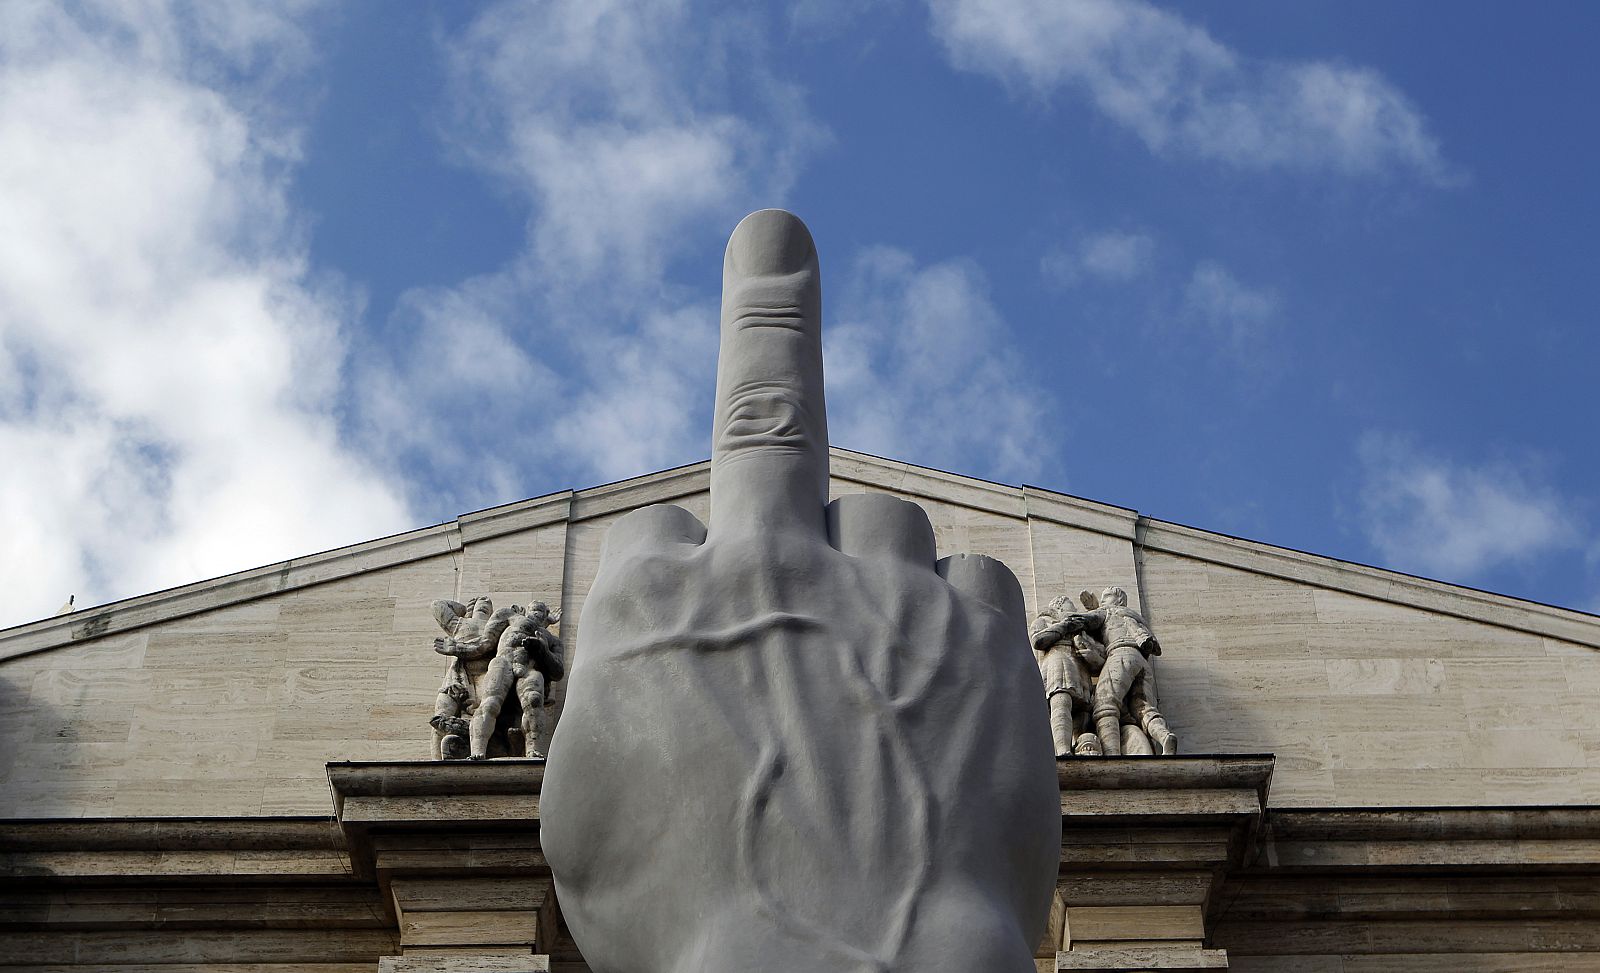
277 279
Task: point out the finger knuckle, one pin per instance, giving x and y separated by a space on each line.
764 414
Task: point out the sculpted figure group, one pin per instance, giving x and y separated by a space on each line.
494 655
1096 663
1099 679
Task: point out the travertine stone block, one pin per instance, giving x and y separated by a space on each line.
1067 557
1134 922
1366 701
1137 959
468 962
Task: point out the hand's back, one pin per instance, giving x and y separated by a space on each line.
795 742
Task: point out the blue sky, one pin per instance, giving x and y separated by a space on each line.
276 280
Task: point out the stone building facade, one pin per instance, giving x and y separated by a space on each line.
1378 772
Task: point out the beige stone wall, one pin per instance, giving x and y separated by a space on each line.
1451 959
1069 560
234 710
1367 702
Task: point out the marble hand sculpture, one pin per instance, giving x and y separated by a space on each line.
1127 683
792 739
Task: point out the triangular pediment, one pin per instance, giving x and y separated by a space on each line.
229 695
860 469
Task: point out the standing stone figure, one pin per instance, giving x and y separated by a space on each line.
1068 659
1126 679
528 658
471 633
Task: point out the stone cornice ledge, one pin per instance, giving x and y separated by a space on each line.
447 797
1167 959
1110 791
926 483
434 778
1170 814
509 518
1072 511
173 849
1518 839
301 572
662 487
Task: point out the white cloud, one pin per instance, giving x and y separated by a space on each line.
1112 256
1181 91
1237 315
171 370
630 129
1455 520
636 132
920 366
627 124
643 408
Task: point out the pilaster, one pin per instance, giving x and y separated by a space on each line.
1145 845
454 849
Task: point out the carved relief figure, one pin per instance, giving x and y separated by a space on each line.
1127 683
471 634
528 658
1068 659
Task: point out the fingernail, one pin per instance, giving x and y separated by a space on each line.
770 242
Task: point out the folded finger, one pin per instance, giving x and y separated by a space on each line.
652 528
876 525
985 579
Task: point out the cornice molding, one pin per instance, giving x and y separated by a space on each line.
1369 582
1024 502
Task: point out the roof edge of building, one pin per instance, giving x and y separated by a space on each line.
1021 502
